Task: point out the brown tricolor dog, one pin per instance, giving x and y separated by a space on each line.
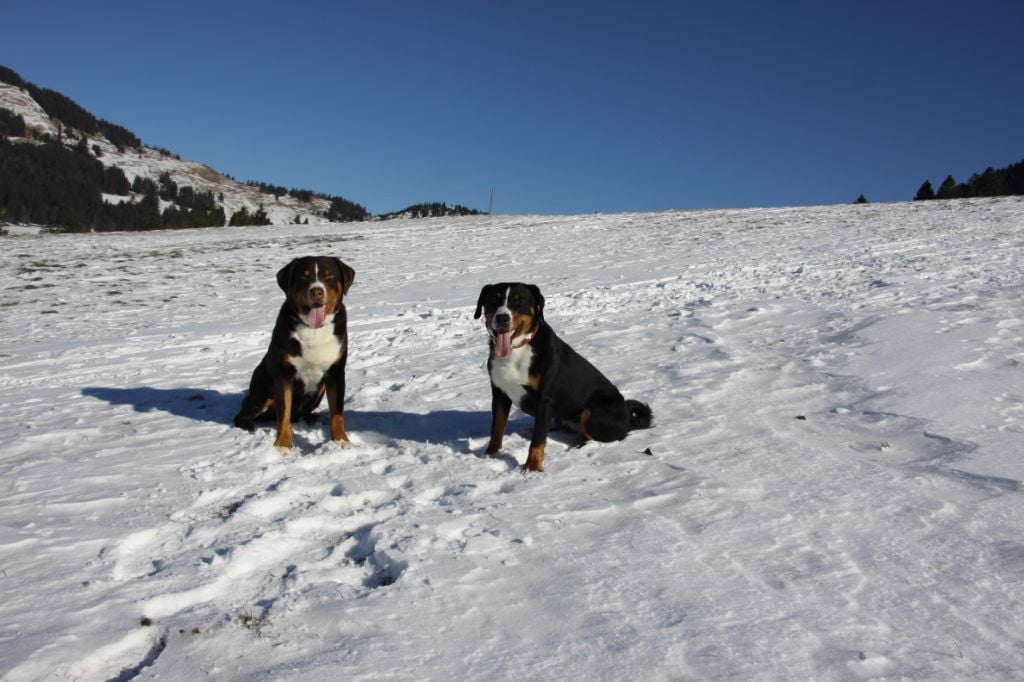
307 353
533 368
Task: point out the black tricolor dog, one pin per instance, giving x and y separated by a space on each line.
533 368
307 353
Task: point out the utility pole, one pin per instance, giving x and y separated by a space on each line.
490 206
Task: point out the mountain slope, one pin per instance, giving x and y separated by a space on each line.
147 162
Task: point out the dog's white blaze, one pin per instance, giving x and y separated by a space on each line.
320 350
503 308
317 284
511 373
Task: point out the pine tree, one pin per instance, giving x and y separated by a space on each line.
115 182
949 189
240 218
168 187
11 124
991 183
925 193
148 217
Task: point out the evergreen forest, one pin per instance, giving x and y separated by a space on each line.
993 182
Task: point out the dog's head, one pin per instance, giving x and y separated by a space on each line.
315 286
512 311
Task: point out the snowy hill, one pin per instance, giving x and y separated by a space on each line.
832 489
150 163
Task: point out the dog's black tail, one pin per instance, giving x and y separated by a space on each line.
640 415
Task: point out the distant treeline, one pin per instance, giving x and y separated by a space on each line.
434 210
994 182
49 184
190 208
69 113
341 210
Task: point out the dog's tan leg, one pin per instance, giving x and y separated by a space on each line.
337 424
499 420
584 423
283 407
535 460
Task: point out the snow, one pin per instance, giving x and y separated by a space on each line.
21 102
832 488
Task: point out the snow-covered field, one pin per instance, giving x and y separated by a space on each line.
832 490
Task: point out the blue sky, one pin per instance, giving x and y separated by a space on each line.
562 107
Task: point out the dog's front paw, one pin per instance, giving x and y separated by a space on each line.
535 460
337 427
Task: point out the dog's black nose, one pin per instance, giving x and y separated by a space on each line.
317 295
502 321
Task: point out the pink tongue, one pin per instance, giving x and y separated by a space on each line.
503 344
316 317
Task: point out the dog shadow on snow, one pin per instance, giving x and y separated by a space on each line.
198 404
454 428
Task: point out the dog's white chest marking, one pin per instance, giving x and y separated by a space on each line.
511 373
320 349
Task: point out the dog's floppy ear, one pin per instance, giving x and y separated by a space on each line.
285 274
539 298
348 275
484 293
